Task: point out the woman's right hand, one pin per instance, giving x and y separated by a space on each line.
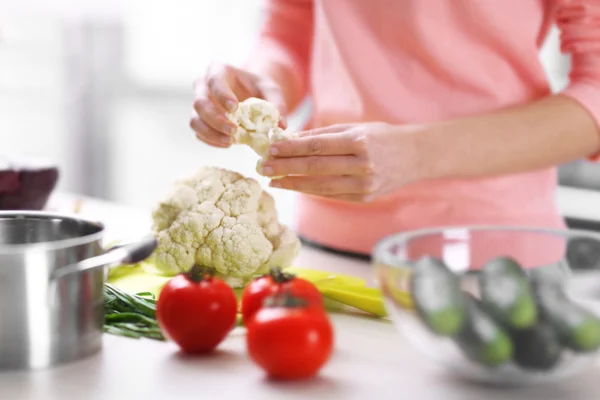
219 92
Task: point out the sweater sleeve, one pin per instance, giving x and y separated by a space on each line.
286 38
579 23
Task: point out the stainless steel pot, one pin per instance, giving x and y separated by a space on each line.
52 272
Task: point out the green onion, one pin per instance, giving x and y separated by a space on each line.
132 316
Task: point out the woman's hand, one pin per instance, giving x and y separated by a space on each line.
219 92
352 162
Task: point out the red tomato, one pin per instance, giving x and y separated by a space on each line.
275 282
289 339
196 311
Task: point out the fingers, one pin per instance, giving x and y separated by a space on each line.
214 96
219 92
334 144
219 81
208 134
317 165
326 185
212 115
227 84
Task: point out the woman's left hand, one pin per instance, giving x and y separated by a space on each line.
352 162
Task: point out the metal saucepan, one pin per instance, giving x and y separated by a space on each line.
52 273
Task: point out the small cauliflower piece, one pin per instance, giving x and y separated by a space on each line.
221 220
257 123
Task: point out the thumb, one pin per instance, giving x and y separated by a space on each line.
283 122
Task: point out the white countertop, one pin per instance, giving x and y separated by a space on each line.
371 359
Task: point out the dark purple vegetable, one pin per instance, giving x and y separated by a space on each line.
9 181
26 184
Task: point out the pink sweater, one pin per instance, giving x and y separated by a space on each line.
408 61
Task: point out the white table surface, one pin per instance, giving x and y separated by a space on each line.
371 359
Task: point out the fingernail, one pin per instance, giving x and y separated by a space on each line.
225 139
273 151
267 171
231 105
275 184
229 129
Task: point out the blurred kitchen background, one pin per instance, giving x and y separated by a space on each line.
105 89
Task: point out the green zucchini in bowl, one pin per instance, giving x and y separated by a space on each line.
577 328
537 348
482 339
507 294
437 297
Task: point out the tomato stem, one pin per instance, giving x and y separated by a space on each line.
279 276
198 273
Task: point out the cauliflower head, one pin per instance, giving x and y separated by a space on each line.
222 220
257 123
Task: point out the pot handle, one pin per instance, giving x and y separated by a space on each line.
129 253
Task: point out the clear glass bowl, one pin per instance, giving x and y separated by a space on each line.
565 257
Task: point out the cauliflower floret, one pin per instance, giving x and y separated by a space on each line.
222 220
258 127
254 118
285 242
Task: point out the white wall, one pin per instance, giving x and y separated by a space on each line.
168 46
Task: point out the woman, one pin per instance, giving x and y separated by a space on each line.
425 112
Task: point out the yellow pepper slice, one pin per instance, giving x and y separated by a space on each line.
363 298
319 277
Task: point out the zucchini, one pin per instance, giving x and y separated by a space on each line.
507 293
437 297
482 339
537 348
577 328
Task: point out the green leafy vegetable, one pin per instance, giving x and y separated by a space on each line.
129 315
